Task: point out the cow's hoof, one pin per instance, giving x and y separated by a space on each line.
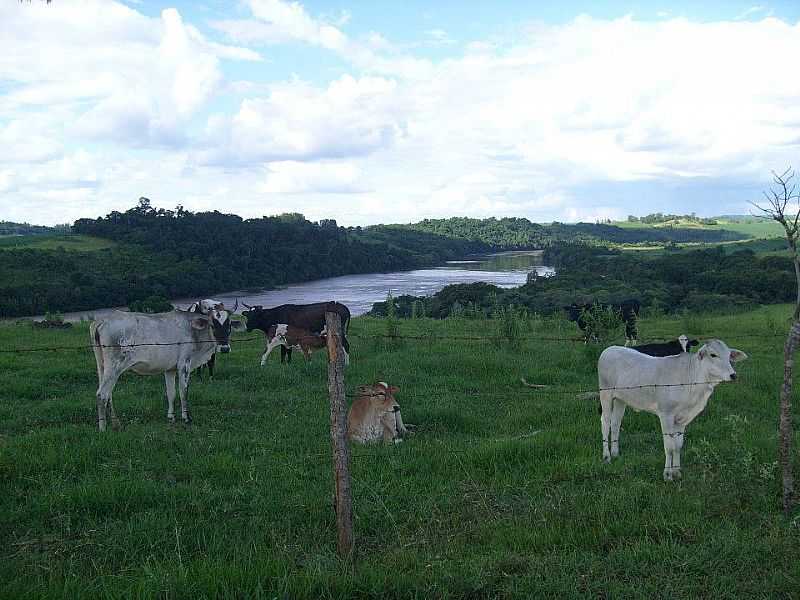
397 440
187 420
671 475
171 420
607 459
101 426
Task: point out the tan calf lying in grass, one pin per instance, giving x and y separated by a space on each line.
375 415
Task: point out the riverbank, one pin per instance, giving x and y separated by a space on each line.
360 292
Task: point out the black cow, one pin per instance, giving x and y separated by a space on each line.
673 348
628 310
304 316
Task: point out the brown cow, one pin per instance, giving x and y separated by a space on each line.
375 415
289 336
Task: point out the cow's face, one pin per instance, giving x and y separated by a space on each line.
385 404
219 320
257 318
717 360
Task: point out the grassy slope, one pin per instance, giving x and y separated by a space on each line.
75 243
238 504
757 228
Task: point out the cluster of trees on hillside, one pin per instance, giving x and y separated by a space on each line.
11 228
174 253
177 253
514 233
700 280
655 218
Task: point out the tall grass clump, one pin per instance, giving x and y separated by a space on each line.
694 324
392 324
511 326
604 323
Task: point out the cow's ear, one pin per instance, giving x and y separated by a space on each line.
394 389
199 323
737 355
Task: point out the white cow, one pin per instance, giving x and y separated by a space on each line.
172 343
676 388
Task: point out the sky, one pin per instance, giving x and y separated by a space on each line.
391 112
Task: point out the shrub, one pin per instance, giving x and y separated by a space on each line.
152 304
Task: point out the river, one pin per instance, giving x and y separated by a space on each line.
359 292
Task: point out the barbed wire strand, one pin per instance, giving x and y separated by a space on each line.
430 338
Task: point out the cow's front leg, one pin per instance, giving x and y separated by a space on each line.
270 347
672 458
183 390
169 380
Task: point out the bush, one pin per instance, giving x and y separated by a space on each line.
153 304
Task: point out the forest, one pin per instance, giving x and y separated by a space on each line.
178 253
706 280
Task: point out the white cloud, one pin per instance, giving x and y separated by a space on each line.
328 177
122 76
504 126
351 117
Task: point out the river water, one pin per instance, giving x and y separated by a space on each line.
359 292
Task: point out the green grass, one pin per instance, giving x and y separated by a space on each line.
475 505
757 228
74 243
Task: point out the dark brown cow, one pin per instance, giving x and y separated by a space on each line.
310 317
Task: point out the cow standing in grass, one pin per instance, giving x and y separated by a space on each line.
583 315
310 317
291 337
172 343
675 388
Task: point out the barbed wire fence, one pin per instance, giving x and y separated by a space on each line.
343 487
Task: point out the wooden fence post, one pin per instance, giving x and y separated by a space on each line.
341 452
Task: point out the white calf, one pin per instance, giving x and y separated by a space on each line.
676 388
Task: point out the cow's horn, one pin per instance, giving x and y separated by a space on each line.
246 305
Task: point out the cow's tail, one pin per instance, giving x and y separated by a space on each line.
589 396
94 336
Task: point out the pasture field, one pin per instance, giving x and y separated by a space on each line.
757 228
72 242
501 493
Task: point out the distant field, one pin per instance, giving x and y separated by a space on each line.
770 246
74 243
757 228
500 494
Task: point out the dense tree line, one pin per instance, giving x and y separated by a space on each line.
699 280
515 233
654 218
11 228
177 253
182 254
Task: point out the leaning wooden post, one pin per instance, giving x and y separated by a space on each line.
785 428
341 452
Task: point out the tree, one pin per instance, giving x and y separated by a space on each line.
779 198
